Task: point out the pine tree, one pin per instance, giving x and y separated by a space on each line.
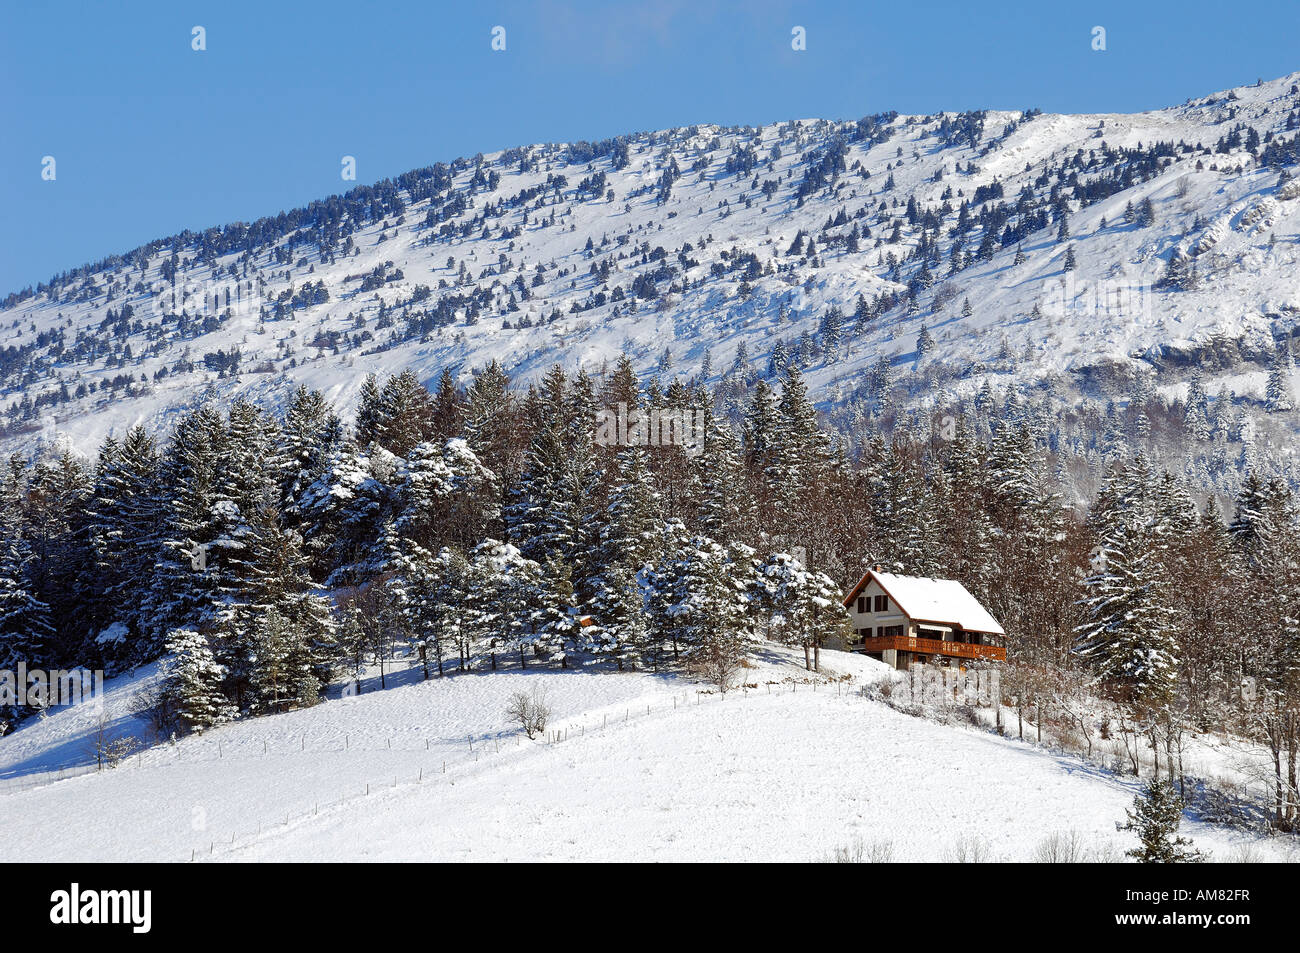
192 683
804 606
123 524
57 535
281 676
194 572
1196 416
500 581
369 412
342 511
726 511
405 414
802 451
489 422
1155 817
627 537
277 642
552 509
618 628
448 408
700 600
1278 390
25 630
311 432
924 342
555 619
1128 635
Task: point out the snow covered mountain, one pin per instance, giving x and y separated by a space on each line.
1116 273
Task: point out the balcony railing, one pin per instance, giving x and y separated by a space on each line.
904 643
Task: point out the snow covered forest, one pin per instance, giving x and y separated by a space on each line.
264 555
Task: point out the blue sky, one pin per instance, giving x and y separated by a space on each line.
151 137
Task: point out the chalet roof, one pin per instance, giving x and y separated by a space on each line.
942 601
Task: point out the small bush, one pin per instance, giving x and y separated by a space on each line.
107 750
717 663
157 710
1107 852
1245 854
968 850
863 852
529 711
1060 848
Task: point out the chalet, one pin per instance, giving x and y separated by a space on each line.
906 619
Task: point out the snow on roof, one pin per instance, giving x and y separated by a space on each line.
934 600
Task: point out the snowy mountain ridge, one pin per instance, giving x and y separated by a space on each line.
1079 260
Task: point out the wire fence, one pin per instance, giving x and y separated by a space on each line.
40 779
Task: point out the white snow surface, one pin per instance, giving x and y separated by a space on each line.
780 771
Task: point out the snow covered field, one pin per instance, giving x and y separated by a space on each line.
778 772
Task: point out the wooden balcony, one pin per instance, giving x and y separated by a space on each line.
904 643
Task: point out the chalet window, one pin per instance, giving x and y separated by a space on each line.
882 603
891 630
862 603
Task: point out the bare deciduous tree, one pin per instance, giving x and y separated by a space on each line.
529 711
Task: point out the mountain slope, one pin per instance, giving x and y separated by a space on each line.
679 247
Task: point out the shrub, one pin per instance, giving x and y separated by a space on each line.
529 711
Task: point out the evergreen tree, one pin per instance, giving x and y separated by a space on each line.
25 630
726 511
804 606
1155 818
405 414
924 342
194 572
311 432
192 681
1128 632
1278 389
369 412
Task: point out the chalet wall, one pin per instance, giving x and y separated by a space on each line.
888 617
